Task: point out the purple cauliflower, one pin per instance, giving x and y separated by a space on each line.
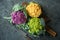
18 17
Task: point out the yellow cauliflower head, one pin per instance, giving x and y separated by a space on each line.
34 10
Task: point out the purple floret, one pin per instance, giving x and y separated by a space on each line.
18 17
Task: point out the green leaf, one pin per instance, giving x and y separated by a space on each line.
25 12
18 26
11 21
7 17
42 22
17 7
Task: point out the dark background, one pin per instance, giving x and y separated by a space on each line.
9 32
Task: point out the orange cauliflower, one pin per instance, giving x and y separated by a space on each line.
34 10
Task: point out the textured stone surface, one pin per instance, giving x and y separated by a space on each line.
9 32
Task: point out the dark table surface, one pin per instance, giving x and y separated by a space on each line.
9 32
